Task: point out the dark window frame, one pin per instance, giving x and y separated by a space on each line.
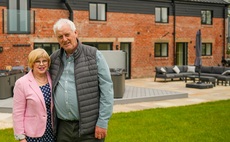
161 19
97 17
204 17
36 45
167 50
205 48
96 44
18 21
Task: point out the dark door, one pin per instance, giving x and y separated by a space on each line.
126 47
182 53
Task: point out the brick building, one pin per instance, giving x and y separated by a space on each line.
152 32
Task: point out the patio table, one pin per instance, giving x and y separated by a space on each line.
207 79
223 79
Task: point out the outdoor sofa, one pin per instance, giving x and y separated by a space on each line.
221 73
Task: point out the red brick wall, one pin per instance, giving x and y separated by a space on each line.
17 56
188 26
141 28
128 26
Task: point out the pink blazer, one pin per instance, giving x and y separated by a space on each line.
29 109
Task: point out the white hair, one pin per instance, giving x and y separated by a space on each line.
61 22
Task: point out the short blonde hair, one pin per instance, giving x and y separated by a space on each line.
36 54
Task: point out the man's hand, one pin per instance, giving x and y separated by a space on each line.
100 133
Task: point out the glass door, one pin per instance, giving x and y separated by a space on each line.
182 53
126 47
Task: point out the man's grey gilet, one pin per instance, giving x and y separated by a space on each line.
86 81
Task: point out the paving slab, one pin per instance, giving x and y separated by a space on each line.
146 90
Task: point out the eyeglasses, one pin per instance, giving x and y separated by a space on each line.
41 62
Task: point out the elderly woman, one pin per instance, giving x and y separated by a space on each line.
32 102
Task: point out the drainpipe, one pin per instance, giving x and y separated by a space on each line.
174 31
69 8
225 45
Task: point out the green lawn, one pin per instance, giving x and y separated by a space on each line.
6 135
207 122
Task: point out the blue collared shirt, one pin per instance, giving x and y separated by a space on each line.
65 97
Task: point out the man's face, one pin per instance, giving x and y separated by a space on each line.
67 38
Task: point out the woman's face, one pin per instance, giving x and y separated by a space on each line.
40 66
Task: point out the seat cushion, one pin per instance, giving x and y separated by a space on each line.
160 70
206 69
169 69
217 70
191 69
227 72
163 70
176 69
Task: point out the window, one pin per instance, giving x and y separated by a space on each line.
161 15
206 17
49 47
97 11
206 49
161 50
18 17
100 45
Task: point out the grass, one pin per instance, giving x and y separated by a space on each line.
6 135
207 122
